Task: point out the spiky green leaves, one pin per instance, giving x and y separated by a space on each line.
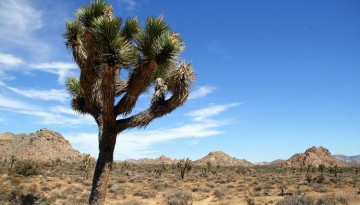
73 86
73 33
87 14
114 49
78 102
131 29
158 43
181 78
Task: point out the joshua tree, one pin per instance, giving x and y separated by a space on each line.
56 162
124 166
321 170
104 50
184 165
13 159
208 166
173 166
160 169
335 171
308 168
86 165
356 170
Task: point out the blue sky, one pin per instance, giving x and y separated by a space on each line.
273 77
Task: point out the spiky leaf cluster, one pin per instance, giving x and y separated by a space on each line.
103 46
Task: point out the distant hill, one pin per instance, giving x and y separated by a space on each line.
315 156
162 159
350 159
275 162
43 145
214 157
222 159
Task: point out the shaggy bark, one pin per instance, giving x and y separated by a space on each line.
103 169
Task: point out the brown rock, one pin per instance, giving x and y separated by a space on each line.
222 159
315 156
43 145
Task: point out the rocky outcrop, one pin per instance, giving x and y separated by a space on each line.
222 159
43 145
315 156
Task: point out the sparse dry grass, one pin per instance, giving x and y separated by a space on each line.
139 185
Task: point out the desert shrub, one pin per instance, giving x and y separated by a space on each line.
179 198
200 189
219 193
38 200
306 200
27 168
250 201
16 197
116 189
132 203
297 200
258 189
145 194
319 188
10 197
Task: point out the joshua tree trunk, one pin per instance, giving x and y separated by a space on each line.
103 167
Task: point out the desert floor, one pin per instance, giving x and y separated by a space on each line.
142 184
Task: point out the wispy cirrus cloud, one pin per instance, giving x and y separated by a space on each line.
62 69
201 91
18 21
47 95
52 115
138 144
205 114
10 60
15 63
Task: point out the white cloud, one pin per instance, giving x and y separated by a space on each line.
47 95
18 21
62 69
205 113
201 92
55 115
19 15
138 144
9 60
9 103
52 94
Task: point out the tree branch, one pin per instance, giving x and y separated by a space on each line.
137 84
181 81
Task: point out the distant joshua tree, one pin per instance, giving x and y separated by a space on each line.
335 171
208 166
184 166
13 159
321 170
308 168
173 167
160 169
86 165
104 50
56 162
